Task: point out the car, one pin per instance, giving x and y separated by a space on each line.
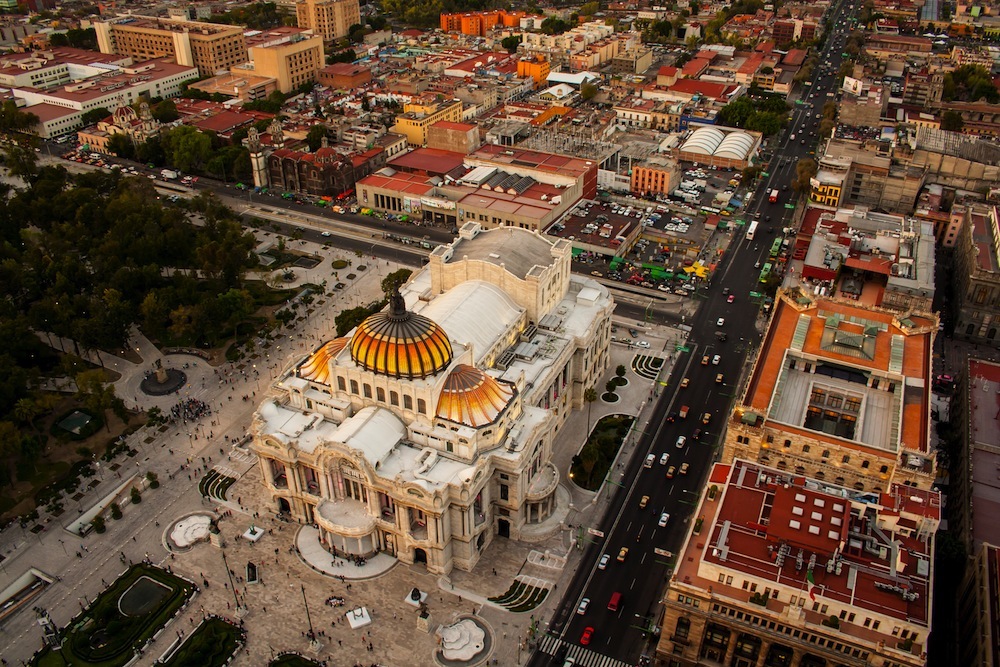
588 633
326 234
643 344
757 265
718 378
670 472
685 382
664 518
633 332
664 457
643 502
704 360
732 297
622 554
582 609
681 441
650 460
716 359
684 469
672 417
603 563
707 417
696 435
720 322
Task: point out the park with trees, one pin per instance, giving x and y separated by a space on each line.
83 258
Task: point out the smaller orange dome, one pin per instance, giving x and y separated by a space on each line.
472 397
317 366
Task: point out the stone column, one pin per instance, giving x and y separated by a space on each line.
323 477
267 470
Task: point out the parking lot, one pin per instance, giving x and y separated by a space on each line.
665 236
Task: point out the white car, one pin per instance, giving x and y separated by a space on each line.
681 441
716 359
721 322
582 609
664 518
650 460
642 343
664 457
603 564
326 234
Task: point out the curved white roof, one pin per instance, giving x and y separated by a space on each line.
704 140
474 312
736 146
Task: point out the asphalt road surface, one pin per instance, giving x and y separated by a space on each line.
623 634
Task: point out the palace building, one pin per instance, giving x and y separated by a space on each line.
427 431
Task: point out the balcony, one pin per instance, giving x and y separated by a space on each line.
544 483
281 481
418 531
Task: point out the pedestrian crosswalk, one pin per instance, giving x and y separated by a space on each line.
580 654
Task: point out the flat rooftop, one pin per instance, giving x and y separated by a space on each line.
519 157
19 63
983 237
174 25
866 551
984 437
518 251
144 72
850 349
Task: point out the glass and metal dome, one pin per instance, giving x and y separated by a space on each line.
472 397
317 366
400 343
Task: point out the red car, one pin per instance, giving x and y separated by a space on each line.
588 632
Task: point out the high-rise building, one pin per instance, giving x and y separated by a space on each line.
329 18
211 47
780 570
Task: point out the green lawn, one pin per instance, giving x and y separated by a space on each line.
102 636
595 459
210 645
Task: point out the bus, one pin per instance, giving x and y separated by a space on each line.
775 249
751 230
765 272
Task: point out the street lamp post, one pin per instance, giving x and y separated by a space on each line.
240 609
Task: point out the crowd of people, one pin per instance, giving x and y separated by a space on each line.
190 409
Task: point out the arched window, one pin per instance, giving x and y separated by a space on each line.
341 384
421 406
380 394
393 398
354 387
407 402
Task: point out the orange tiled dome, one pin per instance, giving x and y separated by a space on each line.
317 366
472 397
400 343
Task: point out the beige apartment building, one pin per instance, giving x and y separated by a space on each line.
211 47
290 61
419 115
329 18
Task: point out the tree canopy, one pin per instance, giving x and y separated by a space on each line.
970 83
767 115
256 15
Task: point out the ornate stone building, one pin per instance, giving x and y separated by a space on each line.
840 392
428 430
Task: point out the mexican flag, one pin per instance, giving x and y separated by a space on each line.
812 585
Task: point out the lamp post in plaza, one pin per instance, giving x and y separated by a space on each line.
239 609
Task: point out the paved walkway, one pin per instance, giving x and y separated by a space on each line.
190 449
